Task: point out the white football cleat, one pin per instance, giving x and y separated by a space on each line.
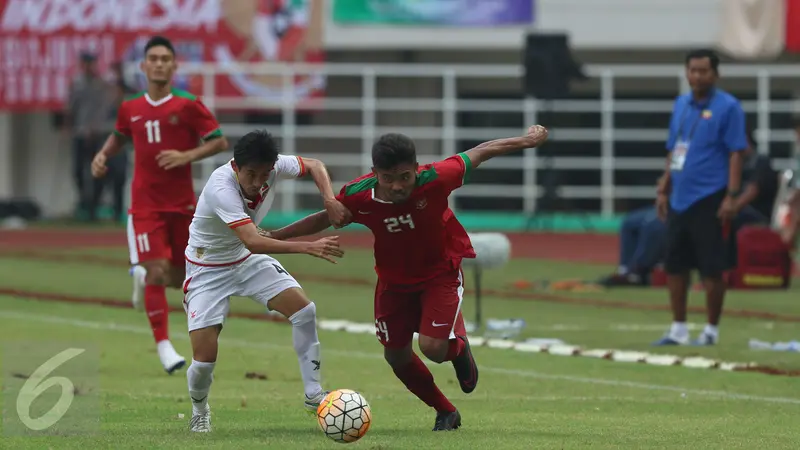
312 403
170 359
137 298
201 422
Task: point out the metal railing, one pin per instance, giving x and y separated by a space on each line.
369 104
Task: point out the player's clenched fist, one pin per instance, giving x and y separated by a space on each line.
537 134
326 248
99 168
338 214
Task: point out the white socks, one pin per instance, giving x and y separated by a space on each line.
711 330
306 345
679 331
166 352
200 375
139 273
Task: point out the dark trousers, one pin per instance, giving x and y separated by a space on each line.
90 190
696 239
642 240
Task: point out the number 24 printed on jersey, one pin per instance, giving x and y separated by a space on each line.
395 224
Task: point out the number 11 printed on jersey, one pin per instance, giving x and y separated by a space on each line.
153 128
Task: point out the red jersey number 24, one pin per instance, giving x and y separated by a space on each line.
396 224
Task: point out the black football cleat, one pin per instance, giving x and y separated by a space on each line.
466 369
446 421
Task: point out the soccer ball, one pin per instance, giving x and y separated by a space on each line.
344 416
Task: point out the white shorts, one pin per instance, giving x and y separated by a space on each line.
207 289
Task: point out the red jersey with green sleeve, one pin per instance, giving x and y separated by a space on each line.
420 238
176 122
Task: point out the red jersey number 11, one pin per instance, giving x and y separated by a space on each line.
394 224
153 128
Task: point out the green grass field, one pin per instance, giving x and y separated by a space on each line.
523 401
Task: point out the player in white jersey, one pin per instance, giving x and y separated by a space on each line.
227 256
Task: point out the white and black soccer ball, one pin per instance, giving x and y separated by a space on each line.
344 416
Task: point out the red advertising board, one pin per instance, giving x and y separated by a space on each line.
41 40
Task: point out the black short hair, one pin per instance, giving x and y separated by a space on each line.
255 148
159 41
393 149
712 56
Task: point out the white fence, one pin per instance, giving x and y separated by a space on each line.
444 105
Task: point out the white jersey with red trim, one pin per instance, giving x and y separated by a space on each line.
223 207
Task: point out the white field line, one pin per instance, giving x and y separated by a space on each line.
273 396
561 349
372 355
630 327
620 327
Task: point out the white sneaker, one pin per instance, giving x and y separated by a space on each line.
201 422
170 359
672 339
137 298
705 339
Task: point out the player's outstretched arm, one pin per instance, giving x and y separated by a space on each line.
210 147
322 179
223 195
326 248
307 226
535 137
170 159
206 126
339 215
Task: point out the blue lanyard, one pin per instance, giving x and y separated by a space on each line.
696 121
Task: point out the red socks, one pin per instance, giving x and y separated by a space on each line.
419 380
155 303
455 349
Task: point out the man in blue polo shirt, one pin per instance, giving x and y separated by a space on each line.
697 194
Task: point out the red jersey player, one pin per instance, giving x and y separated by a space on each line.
419 245
166 126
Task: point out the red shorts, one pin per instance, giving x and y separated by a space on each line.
432 308
158 235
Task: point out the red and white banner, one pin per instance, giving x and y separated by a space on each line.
41 40
760 29
752 29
